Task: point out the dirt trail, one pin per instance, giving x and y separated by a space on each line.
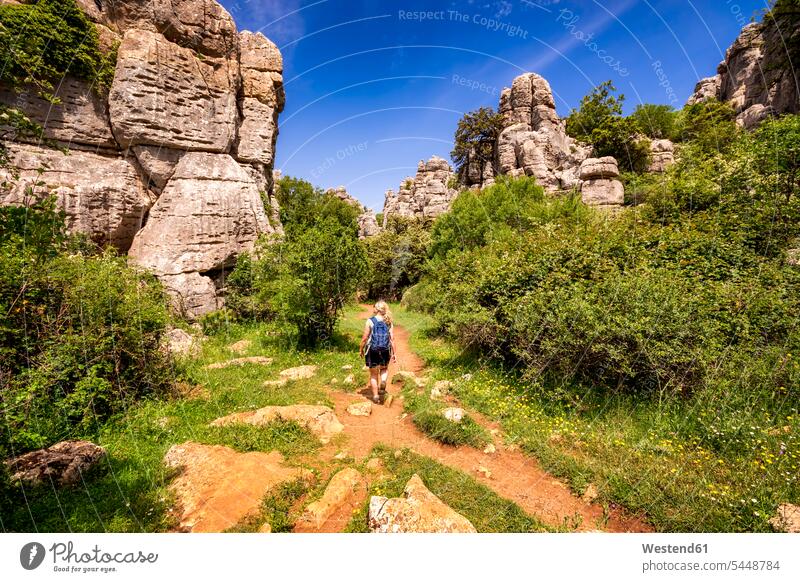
514 475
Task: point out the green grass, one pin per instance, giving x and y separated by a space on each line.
277 509
487 511
427 417
129 492
652 457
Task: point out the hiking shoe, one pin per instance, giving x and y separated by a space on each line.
383 387
376 399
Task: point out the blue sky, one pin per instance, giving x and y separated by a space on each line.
374 87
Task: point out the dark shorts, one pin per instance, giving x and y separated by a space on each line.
378 358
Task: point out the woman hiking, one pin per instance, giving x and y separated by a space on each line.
377 346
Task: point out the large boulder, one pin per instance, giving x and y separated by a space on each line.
102 196
603 193
662 155
209 212
217 486
62 464
418 511
599 168
164 95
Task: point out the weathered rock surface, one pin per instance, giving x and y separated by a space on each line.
599 168
62 464
241 346
201 25
418 511
80 119
360 408
164 95
344 492
218 486
263 98
185 81
662 155
102 196
425 196
602 192
180 342
453 414
209 212
756 76
320 420
533 141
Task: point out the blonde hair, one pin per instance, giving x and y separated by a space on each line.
383 309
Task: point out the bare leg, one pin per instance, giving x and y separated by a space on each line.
384 376
373 380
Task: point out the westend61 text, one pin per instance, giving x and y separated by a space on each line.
669 549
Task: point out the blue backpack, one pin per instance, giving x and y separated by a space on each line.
379 340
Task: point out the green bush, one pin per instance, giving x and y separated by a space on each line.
396 257
45 40
475 139
303 280
655 121
81 335
507 207
710 126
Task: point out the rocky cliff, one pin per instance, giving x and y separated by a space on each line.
758 75
426 195
174 164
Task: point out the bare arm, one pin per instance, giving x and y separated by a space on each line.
391 342
364 339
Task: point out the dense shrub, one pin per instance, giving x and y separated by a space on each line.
710 126
396 257
688 294
509 206
45 40
80 334
303 280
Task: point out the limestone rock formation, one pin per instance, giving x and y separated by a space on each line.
102 196
367 221
62 464
78 120
662 155
164 95
217 486
756 77
599 183
425 196
209 212
533 141
188 128
418 511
